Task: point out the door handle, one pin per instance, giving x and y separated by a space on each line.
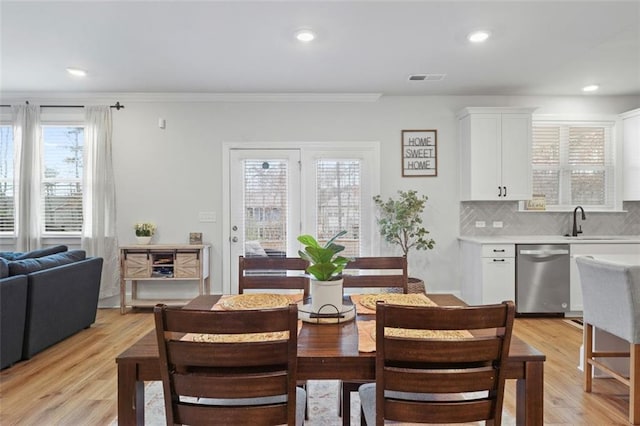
234 239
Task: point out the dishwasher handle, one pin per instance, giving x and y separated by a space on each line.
545 252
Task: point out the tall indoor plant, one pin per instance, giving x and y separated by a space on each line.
326 266
400 222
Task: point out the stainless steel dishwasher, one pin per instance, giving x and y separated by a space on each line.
542 278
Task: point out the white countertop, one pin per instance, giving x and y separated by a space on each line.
552 239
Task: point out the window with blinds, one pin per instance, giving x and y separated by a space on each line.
62 174
7 181
574 164
338 187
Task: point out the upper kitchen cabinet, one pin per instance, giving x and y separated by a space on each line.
495 158
631 157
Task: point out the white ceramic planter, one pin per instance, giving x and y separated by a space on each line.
143 240
326 296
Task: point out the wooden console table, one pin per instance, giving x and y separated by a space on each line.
162 262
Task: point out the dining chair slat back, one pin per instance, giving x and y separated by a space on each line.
272 273
439 364
214 374
377 272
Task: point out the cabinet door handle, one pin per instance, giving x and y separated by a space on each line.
498 260
505 191
498 250
499 191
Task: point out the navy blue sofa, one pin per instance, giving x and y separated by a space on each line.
45 296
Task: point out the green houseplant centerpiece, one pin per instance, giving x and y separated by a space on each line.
325 268
400 223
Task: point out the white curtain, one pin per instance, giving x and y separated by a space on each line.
99 236
26 130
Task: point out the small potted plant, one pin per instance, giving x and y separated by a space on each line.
325 268
144 232
400 222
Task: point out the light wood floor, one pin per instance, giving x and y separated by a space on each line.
74 382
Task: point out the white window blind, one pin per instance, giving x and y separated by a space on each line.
338 187
574 164
7 181
62 174
265 203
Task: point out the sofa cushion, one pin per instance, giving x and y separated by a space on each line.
4 268
10 255
41 252
26 266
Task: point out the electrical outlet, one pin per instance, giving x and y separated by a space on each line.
497 224
480 224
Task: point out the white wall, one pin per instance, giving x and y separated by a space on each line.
168 176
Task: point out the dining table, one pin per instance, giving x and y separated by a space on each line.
327 352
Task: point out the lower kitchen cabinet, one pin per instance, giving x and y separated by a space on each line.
488 273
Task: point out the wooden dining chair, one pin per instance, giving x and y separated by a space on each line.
611 300
214 374
272 273
383 273
439 364
379 273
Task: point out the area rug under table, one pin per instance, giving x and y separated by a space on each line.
322 400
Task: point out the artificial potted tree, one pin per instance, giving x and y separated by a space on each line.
326 266
400 222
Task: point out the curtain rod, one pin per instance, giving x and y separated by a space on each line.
118 106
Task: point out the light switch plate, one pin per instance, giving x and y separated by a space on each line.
497 224
207 216
480 224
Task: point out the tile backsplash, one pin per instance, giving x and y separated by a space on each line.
516 222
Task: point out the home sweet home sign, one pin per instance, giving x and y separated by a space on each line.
419 153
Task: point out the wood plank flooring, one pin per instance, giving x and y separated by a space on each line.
75 381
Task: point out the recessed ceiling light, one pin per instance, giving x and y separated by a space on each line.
77 72
590 88
478 36
305 35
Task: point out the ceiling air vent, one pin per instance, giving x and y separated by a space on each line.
426 77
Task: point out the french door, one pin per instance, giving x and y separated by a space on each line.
264 204
274 195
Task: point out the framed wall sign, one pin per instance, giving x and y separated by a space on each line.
419 153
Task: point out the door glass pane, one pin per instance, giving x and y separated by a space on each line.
265 207
338 185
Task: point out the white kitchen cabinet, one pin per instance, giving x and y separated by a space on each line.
614 252
489 272
495 153
631 155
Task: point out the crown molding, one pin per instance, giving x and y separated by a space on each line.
110 97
